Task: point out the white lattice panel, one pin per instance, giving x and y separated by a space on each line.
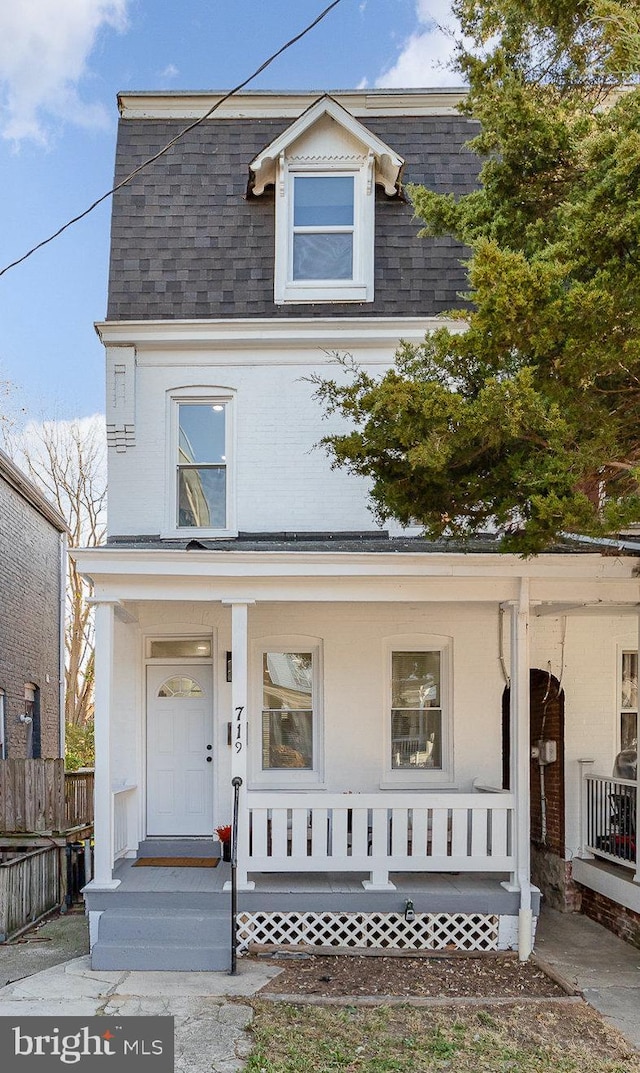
429 931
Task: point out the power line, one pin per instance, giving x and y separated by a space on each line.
170 145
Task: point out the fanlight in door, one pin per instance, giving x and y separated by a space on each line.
180 686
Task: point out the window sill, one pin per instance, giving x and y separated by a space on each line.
332 292
423 780
284 784
198 534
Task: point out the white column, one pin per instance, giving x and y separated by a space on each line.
520 761
637 809
239 701
103 815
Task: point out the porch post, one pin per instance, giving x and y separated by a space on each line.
103 811
239 701
635 825
520 760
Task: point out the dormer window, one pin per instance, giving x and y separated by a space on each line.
324 169
323 227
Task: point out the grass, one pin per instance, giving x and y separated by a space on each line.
404 1039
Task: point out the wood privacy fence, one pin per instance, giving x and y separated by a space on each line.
37 797
30 885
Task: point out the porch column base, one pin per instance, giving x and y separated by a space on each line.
374 884
247 884
511 885
96 885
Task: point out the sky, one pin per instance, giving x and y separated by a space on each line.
62 63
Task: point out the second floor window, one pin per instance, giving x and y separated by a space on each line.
202 491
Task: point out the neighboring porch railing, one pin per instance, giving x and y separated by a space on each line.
609 822
380 833
78 797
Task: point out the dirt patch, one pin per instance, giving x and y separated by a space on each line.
459 977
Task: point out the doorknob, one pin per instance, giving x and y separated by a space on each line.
209 748
209 759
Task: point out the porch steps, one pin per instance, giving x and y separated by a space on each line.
184 940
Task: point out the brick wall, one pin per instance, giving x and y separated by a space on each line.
29 619
547 722
621 921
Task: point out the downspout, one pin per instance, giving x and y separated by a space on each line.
62 657
520 691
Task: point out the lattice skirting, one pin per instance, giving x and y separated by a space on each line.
429 931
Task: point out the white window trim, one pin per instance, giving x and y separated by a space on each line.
285 778
358 289
442 778
209 396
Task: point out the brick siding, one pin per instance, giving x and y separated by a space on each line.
29 618
623 922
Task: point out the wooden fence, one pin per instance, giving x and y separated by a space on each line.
36 797
30 885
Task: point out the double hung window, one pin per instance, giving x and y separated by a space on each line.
287 710
200 472
286 740
323 227
418 712
629 701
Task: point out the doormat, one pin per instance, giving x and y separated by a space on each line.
177 862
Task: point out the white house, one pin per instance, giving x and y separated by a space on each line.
371 690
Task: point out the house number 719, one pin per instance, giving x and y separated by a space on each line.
239 712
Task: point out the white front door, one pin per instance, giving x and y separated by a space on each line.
179 750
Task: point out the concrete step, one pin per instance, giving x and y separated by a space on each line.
179 847
183 940
177 926
142 956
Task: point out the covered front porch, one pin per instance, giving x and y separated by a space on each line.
372 821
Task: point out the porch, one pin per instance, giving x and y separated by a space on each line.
179 917
397 667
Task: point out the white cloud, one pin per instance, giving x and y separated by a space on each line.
44 49
425 55
170 71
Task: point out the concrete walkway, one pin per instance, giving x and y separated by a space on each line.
210 1033
605 969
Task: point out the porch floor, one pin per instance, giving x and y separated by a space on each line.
212 880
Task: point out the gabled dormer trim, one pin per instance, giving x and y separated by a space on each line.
387 164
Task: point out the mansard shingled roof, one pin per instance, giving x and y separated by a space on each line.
187 242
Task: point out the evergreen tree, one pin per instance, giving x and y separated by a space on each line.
527 421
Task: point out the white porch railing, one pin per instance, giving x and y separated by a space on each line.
609 822
380 833
121 797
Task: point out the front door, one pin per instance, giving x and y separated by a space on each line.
179 750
